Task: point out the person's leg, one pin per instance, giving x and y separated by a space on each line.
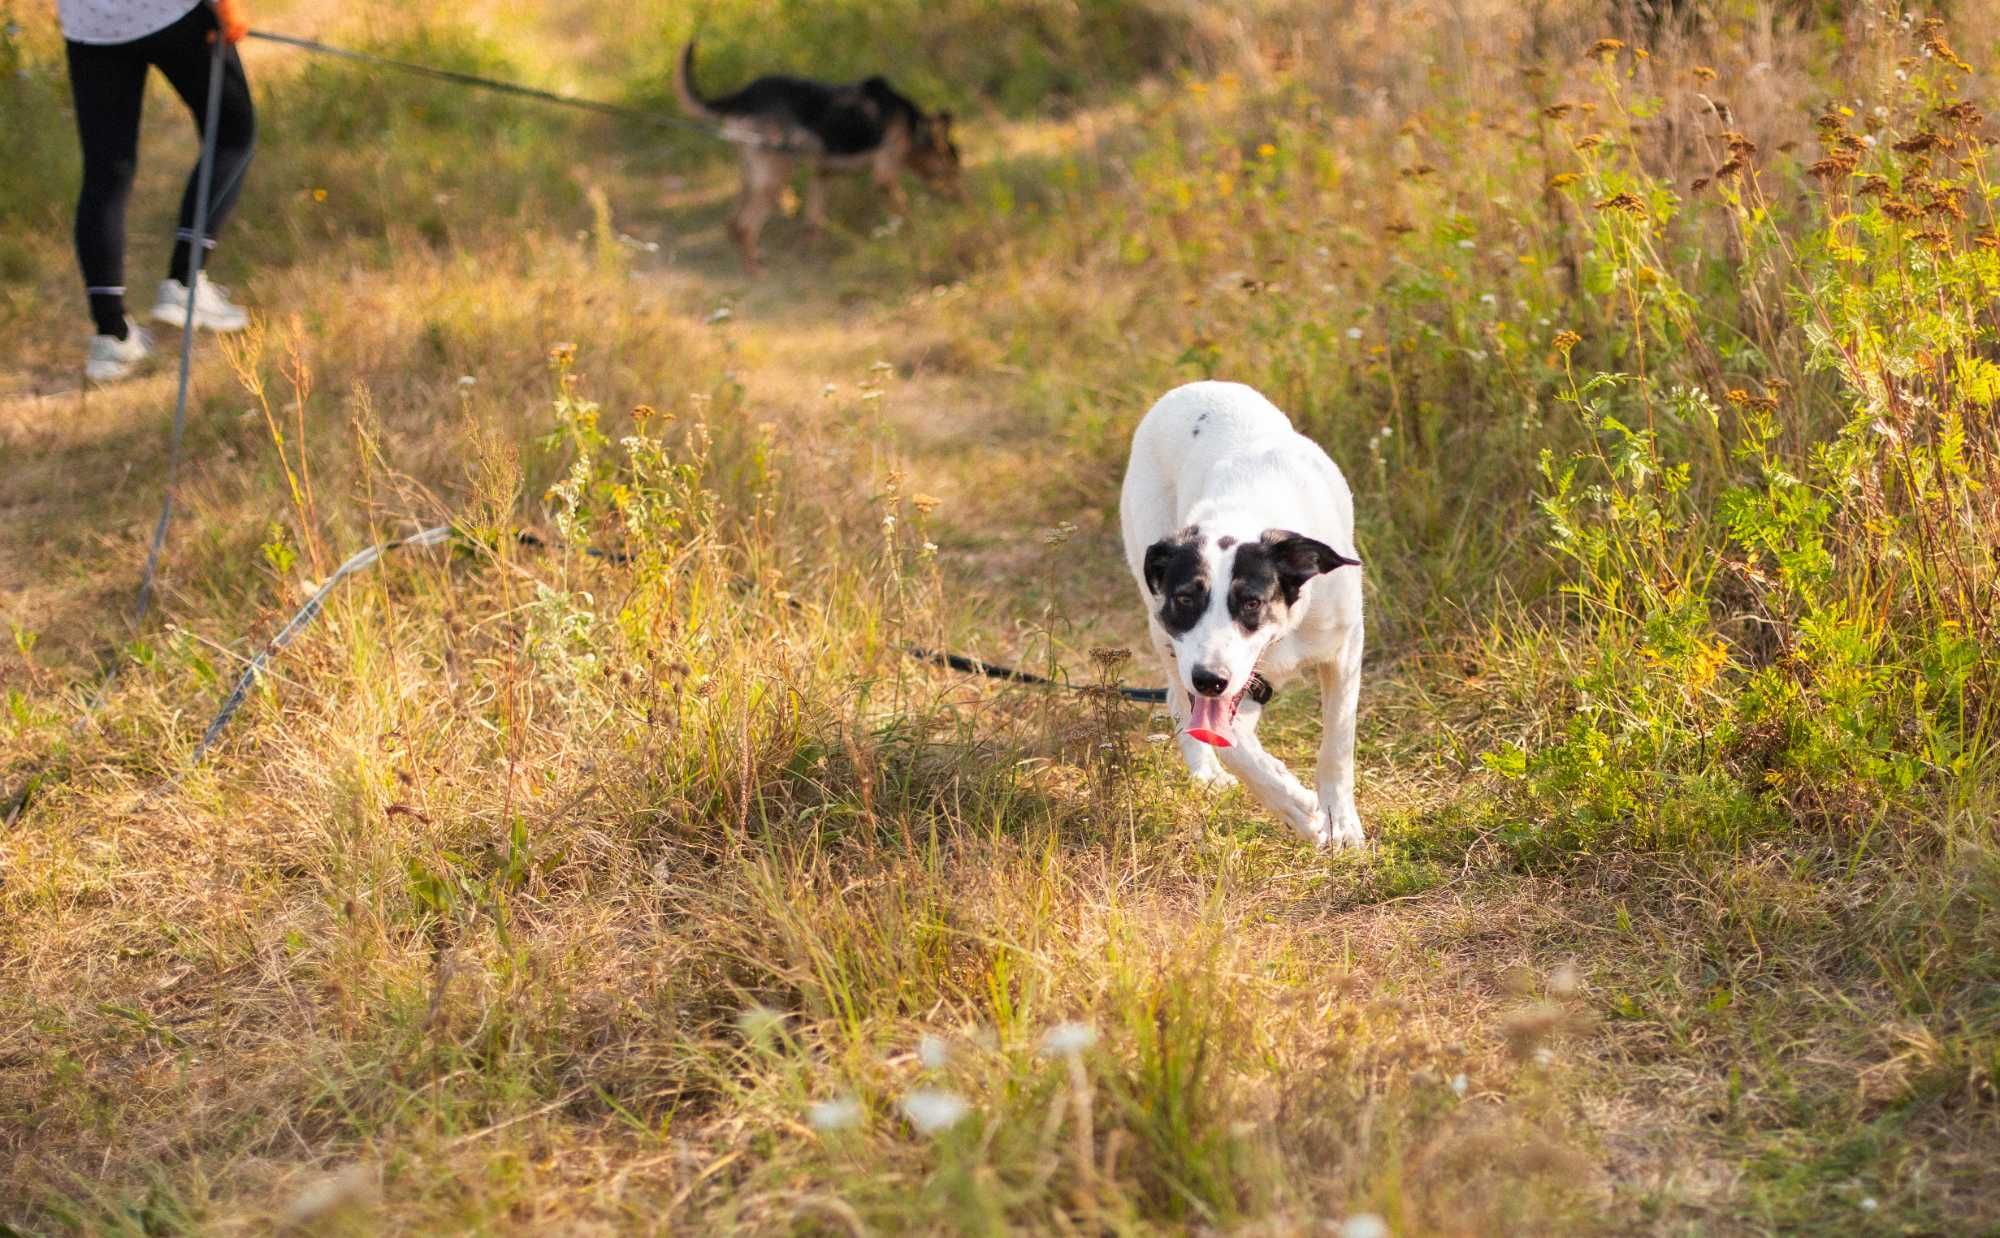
108 84
183 54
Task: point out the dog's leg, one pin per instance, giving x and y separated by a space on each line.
1340 696
763 181
815 202
1267 778
884 172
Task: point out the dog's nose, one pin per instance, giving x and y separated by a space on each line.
1207 682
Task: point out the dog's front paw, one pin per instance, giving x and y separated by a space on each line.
1340 828
1204 766
1212 777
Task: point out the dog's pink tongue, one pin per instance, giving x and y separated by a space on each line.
1209 721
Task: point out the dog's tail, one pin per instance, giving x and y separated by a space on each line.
691 101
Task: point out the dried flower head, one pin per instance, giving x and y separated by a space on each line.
1837 164
1627 202
1965 114
1526 1029
932 1111
925 503
1607 47
1565 340
1702 73
1933 36
932 1051
1068 1039
825 1116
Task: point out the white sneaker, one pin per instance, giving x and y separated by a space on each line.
112 358
213 309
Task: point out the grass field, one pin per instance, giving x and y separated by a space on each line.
537 890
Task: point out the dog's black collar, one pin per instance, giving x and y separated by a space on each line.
1259 689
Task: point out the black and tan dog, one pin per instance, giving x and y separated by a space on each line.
777 121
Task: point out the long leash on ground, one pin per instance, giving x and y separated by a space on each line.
203 183
11 807
461 78
993 670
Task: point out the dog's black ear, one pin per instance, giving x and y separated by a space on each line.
944 120
1158 555
1299 558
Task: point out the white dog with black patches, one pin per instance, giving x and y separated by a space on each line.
1235 527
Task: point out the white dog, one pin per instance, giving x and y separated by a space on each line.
1234 525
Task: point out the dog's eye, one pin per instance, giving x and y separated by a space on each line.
1249 606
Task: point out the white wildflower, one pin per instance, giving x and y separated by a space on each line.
1489 299
721 313
932 1051
1068 1039
932 1111
1364 1225
466 380
1354 333
1868 1203
840 1114
1460 1085
1564 981
1467 244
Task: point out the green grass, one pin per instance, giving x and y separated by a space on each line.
541 891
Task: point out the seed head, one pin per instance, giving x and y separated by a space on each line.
840 1114
1069 1039
933 1111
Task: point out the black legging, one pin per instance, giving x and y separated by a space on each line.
109 84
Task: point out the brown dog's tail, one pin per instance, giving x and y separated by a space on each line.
691 101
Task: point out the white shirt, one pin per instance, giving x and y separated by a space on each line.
118 21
